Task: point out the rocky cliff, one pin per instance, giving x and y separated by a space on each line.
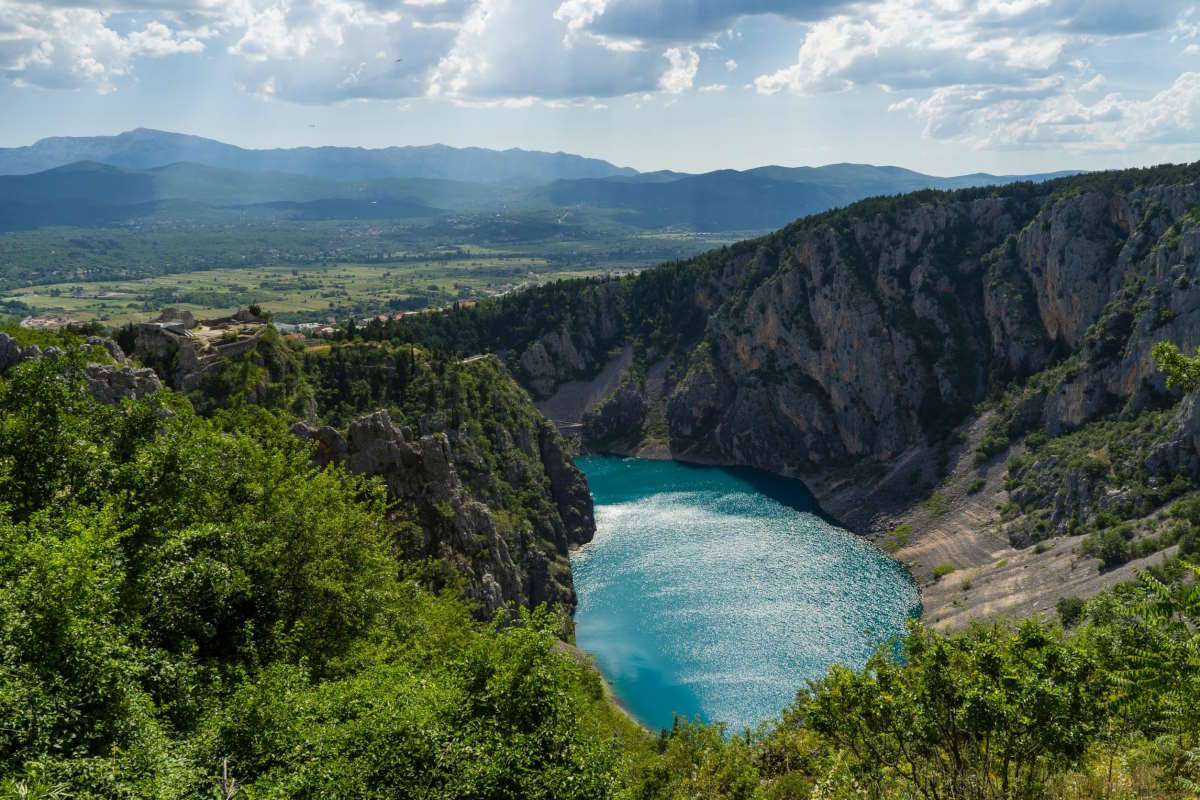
480 480
110 380
967 377
500 562
852 336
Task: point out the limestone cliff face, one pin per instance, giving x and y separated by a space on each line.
857 335
441 491
1179 451
1105 277
575 348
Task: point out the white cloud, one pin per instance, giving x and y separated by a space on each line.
684 64
319 51
538 48
74 47
730 65
991 73
1051 115
906 44
579 13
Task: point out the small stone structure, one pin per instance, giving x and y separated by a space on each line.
184 349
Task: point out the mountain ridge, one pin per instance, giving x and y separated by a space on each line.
762 198
143 148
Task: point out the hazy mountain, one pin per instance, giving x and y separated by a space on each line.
761 198
88 180
143 149
93 193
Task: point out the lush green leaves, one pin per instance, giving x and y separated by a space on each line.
1183 372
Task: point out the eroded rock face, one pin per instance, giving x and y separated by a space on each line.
111 384
1179 453
446 485
857 336
622 413
108 383
575 349
568 487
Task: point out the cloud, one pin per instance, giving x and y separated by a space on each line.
992 73
679 77
320 51
906 44
690 20
70 48
538 48
1050 115
302 50
1104 17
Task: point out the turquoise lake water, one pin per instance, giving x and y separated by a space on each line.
716 592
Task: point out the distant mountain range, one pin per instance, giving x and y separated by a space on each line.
144 148
106 180
766 197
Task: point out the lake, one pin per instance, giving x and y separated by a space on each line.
716 592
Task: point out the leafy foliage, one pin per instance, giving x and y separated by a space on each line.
180 595
1183 372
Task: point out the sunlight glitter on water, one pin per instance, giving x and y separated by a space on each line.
717 592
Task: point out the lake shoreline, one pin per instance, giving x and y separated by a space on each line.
715 592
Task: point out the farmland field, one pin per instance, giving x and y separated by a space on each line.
307 272
291 293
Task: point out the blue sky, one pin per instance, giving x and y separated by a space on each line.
943 86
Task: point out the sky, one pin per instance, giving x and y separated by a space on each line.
942 86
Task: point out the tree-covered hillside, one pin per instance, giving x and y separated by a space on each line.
190 608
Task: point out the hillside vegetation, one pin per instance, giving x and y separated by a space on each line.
192 607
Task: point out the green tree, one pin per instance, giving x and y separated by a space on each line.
1183 372
990 713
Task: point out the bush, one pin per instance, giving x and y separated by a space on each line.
942 570
1070 610
1111 546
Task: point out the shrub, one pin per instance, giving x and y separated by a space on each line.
942 570
1070 610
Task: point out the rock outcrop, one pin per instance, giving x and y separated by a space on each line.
1179 452
435 475
109 382
112 384
577 346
